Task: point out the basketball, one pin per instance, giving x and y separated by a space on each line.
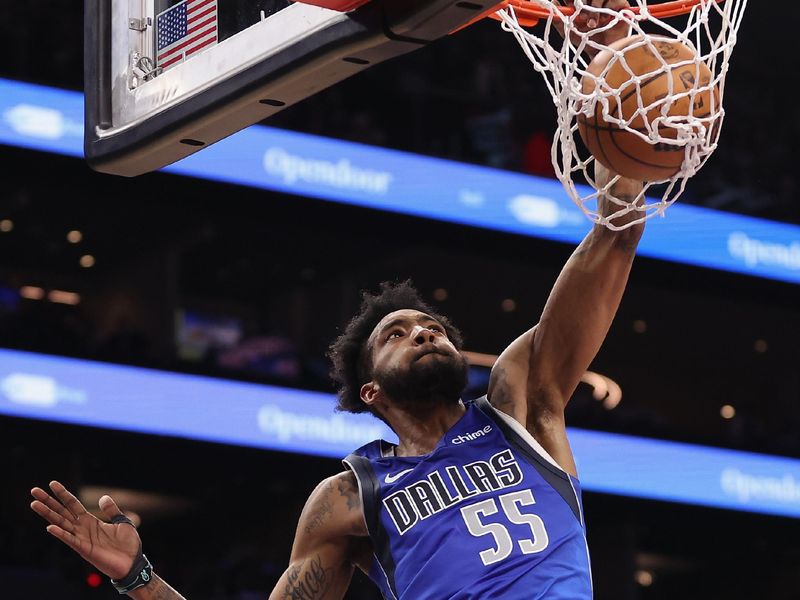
624 151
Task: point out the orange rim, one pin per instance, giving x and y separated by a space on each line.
528 14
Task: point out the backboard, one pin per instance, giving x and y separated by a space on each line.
166 78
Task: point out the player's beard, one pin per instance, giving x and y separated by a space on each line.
427 381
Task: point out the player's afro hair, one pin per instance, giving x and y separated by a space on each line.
349 353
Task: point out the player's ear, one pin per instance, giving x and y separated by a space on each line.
369 393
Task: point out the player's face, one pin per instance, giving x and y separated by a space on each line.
414 361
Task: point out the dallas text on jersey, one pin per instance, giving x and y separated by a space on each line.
446 487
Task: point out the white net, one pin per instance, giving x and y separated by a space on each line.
562 46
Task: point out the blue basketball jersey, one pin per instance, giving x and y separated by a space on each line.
486 515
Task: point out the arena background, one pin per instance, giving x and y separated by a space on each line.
270 278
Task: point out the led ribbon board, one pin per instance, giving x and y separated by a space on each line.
94 394
52 120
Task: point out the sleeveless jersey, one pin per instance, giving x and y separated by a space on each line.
486 515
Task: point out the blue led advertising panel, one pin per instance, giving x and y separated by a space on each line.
94 394
51 120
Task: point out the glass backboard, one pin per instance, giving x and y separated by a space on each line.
166 78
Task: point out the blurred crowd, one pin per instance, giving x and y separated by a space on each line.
217 345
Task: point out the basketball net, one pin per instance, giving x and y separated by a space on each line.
709 28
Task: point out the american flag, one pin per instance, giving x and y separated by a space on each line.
185 29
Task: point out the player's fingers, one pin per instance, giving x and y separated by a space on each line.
619 4
51 516
599 18
593 20
612 4
67 499
109 507
567 3
65 536
51 503
585 19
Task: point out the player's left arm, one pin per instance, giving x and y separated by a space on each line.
534 378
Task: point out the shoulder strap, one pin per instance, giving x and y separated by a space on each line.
369 489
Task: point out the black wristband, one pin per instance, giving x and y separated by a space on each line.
140 575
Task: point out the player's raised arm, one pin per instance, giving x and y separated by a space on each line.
536 375
583 303
322 560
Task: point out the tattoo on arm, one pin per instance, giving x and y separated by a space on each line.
158 589
501 392
348 489
320 512
307 581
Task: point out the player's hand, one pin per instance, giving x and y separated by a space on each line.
110 548
588 20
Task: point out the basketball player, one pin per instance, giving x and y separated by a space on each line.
477 500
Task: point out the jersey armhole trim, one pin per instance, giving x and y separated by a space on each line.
525 435
522 434
369 492
348 463
533 452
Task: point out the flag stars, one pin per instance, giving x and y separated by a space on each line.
184 30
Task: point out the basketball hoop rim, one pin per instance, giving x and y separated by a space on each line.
528 13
